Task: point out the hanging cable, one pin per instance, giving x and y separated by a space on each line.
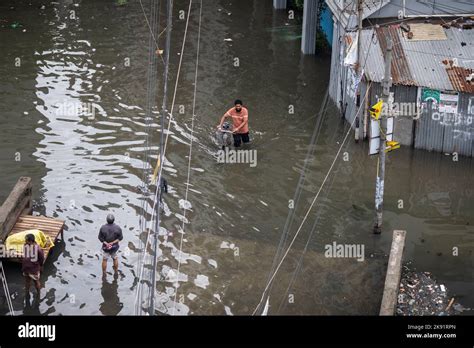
309 209
274 271
161 186
189 156
153 26
6 290
299 188
161 160
313 229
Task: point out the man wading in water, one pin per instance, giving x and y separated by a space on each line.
110 235
32 264
240 119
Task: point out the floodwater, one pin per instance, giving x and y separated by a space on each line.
85 167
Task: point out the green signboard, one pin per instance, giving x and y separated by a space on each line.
430 94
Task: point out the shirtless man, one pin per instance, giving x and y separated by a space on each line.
240 119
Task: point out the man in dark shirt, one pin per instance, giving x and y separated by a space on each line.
32 263
110 235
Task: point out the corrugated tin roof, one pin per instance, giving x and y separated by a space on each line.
369 7
458 77
420 62
372 60
346 10
400 69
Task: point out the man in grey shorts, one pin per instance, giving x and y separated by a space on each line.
110 235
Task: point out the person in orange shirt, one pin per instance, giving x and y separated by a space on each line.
240 120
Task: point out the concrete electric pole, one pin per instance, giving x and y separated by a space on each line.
379 185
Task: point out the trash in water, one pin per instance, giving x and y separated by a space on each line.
183 204
419 294
15 25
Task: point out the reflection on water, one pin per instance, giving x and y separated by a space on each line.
75 113
32 306
109 292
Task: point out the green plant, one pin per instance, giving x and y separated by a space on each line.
299 4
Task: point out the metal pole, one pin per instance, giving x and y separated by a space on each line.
310 26
279 4
359 114
158 183
379 186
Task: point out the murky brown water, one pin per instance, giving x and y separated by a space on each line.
83 168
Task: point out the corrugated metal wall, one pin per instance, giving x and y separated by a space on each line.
349 101
447 133
403 125
406 96
335 80
429 132
341 83
459 133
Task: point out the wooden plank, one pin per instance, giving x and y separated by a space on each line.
18 200
46 222
40 218
51 227
25 227
394 271
48 230
427 32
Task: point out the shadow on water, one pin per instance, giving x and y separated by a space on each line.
109 292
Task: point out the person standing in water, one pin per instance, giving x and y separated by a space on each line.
240 118
110 235
32 264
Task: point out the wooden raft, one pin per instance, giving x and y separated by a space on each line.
15 218
52 228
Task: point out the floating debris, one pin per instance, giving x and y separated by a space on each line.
227 245
212 262
419 294
227 310
184 204
201 281
15 25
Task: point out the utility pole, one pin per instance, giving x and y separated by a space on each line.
379 186
161 183
358 69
